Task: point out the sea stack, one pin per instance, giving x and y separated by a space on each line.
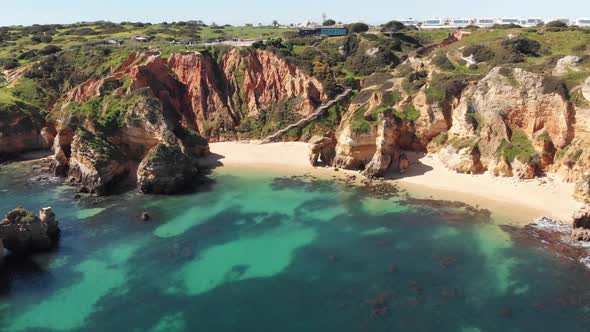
24 233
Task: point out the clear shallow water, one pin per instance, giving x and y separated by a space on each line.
264 252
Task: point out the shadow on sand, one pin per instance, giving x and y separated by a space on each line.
417 168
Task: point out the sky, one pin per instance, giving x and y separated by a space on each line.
235 12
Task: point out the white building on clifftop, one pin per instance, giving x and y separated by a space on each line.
582 22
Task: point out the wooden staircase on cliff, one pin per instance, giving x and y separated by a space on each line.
308 119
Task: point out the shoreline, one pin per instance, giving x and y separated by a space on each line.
517 202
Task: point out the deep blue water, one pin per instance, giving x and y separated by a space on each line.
259 251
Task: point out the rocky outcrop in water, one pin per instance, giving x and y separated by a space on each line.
166 169
95 165
21 232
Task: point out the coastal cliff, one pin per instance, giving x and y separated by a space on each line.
477 107
104 127
511 122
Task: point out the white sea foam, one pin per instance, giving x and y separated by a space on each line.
548 224
585 261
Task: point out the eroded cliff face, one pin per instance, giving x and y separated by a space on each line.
243 83
502 103
20 132
509 105
382 121
150 101
268 79
510 123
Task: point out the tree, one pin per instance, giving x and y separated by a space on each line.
358 27
329 22
556 24
275 24
393 26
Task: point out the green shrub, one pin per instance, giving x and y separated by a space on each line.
523 46
506 26
442 61
556 24
441 138
358 27
390 98
8 63
519 147
359 124
461 143
481 53
377 79
393 26
21 216
411 113
362 64
414 81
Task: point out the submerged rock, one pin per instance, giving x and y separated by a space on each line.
23 233
166 169
145 216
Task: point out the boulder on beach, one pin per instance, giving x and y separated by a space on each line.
322 148
404 163
22 232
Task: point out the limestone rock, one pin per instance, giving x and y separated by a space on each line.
322 148
96 165
466 160
501 168
165 169
404 163
524 171
566 65
387 147
511 100
62 150
23 233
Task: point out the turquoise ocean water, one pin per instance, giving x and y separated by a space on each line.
262 251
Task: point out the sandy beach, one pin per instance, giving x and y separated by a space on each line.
520 201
